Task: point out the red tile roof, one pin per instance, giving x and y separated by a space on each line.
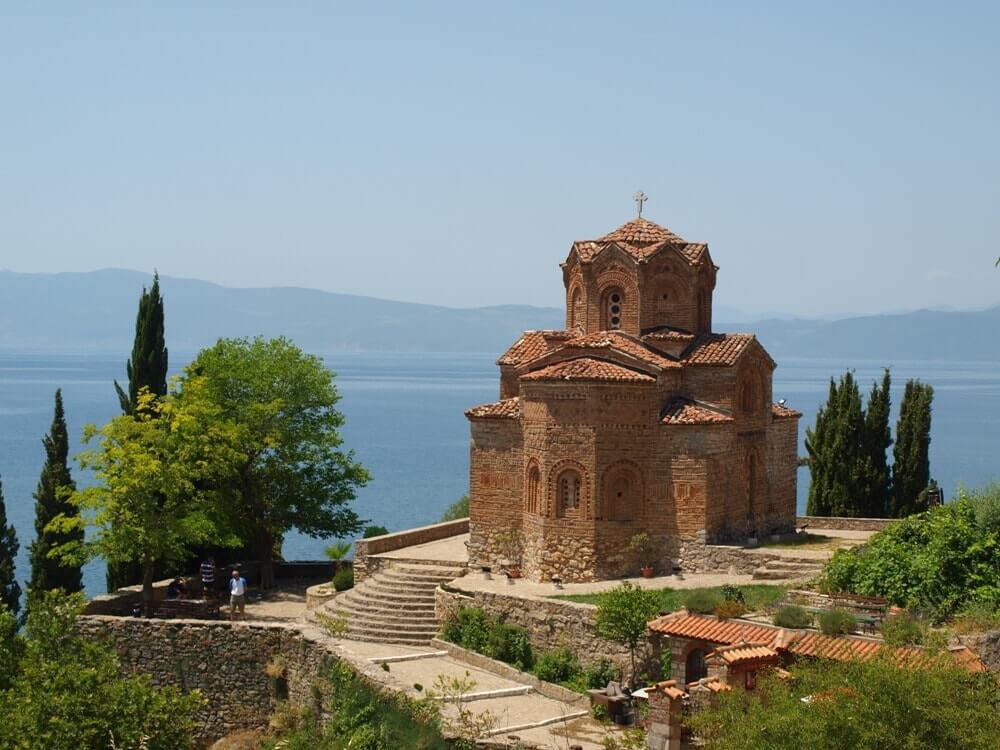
668 334
532 345
668 688
640 232
587 368
717 349
783 412
509 408
686 411
740 653
623 342
799 642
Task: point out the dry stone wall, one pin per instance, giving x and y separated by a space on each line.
225 662
844 524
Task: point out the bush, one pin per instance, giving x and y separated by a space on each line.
902 630
943 559
510 644
836 621
343 579
558 665
733 593
371 531
701 601
468 628
458 509
729 608
793 616
599 674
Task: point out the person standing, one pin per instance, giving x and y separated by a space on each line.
237 595
208 577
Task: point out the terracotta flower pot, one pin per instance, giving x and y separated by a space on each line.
647 571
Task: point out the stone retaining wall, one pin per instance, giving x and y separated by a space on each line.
226 663
552 623
986 645
844 524
377 545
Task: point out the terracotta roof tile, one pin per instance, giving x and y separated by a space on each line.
799 642
509 408
694 252
640 232
740 653
668 334
717 349
713 684
686 411
668 688
623 342
532 345
779 411
587 368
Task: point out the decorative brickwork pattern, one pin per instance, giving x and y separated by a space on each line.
636 419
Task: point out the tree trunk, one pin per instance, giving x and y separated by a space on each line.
265 553
147 586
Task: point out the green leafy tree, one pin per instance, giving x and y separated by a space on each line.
864 705
942 560
64 692
147 368
57 526
457 510
876 481
288 469
156 471
911 468
622 615
10 589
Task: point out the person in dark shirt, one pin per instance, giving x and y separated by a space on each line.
207 571
177 589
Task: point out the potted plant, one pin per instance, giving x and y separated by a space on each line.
641 548
511 543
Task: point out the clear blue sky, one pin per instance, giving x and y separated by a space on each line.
836 156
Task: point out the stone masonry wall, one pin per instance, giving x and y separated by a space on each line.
552 623
844 524
224 662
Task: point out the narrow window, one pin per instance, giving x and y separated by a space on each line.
569 491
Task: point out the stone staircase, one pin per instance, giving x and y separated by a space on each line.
788 568
395 605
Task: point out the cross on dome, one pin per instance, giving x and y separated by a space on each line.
640 198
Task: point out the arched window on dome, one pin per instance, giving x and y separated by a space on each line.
614 304
577 310
568 488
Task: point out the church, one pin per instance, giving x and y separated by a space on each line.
635 418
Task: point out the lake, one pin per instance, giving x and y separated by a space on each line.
405 423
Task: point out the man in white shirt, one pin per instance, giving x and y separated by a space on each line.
237 595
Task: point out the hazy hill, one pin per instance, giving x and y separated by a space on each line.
95 311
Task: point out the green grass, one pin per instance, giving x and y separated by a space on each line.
757 595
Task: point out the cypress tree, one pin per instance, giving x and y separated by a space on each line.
148 365
818 441
52 500
146 368
911 468
877 485
10 591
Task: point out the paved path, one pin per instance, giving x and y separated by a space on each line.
452 550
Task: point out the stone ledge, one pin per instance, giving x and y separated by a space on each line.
844 524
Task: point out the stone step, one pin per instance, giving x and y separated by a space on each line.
386 593
385 620
766 574
395 632
375 606
447 572
783 565
371 637
409 579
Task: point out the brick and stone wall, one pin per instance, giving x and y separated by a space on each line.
225 663
985 645
552 623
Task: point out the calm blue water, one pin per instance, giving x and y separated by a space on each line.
405 422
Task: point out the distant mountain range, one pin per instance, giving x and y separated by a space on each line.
78 312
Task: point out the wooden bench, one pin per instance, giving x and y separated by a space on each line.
196 609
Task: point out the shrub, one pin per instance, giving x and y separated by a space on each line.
510 644
343 579
468 628
599 674
458 509
733 593
943 559
622 614
902 630
836 621
371 531
729 608
701 601
793 616
558 665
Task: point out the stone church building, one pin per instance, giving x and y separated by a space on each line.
636 417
